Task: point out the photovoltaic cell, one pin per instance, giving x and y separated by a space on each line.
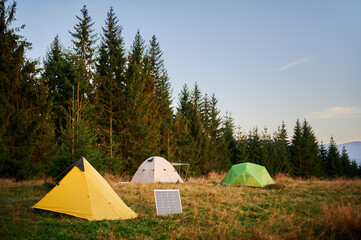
167 201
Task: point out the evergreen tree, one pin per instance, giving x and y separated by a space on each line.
345 163
179 149
196 97
137 139
312 163
180 141
160 112
162 93
195 140
254 147
203 138
83 41
282 150
241 139
296 150
354 170
61 73
214 119
304 151
110 88
333 161
219 154
185 104
322 154
268 152
25 128
200 141
230 141
205 113
77 139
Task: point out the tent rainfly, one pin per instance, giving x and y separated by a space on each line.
84 193
247 174
156 169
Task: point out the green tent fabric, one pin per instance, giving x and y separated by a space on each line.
247 174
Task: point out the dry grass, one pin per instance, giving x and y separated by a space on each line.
290 209
5 182
341 221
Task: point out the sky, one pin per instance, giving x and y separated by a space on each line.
265 61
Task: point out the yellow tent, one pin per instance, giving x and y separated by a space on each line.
84 193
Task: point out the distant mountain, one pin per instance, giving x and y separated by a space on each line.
353 150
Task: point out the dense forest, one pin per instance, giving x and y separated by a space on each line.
113 106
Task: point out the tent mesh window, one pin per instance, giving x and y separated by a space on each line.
167 201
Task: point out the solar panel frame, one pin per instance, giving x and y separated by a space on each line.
167 201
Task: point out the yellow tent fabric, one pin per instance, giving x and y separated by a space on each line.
84 193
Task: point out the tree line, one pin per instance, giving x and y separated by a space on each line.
113 106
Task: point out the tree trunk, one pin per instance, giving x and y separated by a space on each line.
111 129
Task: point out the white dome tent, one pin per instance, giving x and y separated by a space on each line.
156 169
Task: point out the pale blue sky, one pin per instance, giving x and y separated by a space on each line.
266 61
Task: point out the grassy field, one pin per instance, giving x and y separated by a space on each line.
291 209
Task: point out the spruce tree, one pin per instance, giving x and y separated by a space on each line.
25 127
322 155
268 152
282 150
137 137
110 88
214 119
254 147
354 169
196 97
230 141
185 104
296 150
200 141
218 153
78 138
162 93
241 139
195 142
304 151
205 113
210 163
179 149
312 163
345 163
61 73
333 161
84 40
180 141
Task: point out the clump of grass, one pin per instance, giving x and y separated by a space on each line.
342 221
275 186
114 180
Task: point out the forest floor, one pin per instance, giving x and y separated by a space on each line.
290 209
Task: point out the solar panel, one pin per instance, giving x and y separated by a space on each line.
167 201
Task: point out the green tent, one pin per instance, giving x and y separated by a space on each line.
247 174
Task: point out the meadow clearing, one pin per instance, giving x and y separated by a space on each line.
291 209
